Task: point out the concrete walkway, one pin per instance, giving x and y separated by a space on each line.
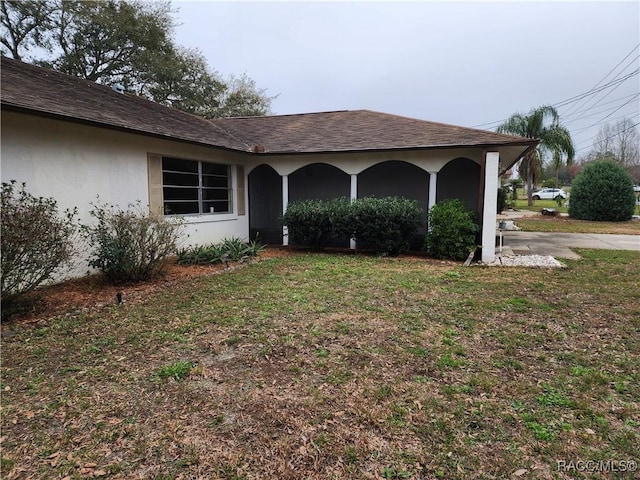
560 244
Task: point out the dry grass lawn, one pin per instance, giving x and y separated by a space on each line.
319 366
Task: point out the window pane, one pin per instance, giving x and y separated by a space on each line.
215 194
217 206
180 208
209 181
180 179
192 187
178 165
215 169
171 193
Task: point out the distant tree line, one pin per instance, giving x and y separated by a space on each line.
618 143
127 42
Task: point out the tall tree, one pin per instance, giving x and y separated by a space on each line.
24 25
127 42
542 123
619 142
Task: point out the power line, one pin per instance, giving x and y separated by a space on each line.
616 82
594 90
613 69
631 127
567 120
611 110
626 116
607 116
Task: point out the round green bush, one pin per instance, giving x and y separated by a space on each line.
602 191
452 230
385 225
312 223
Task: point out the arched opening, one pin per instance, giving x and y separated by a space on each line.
265 205
460 178
318 181
395 179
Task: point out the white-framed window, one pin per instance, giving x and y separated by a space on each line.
196 187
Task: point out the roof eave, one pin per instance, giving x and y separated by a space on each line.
527 143
91 123
533 145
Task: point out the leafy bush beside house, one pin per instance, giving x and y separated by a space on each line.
385 225
314 223
452 230
130 245
36 241
602 191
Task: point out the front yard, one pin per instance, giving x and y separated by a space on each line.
541 223
336 366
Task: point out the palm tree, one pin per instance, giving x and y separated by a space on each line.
543 124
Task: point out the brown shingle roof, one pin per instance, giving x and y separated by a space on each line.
355 131
47 92
51 93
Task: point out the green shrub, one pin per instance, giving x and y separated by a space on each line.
36 241
503 193
602 191
452 230
385 225
230 249
130 245
311 222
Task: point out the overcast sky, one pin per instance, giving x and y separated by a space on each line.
465 63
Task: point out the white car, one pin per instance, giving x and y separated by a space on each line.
549 194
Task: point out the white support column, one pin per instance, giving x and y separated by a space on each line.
285 203
433 181
353 196
490 210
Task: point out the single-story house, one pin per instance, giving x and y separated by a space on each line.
75 140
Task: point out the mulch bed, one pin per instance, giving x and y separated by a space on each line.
94 291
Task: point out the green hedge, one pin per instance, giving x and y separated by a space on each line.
385 225
315 223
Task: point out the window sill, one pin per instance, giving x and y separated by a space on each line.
205 218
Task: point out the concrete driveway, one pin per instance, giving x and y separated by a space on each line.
560 244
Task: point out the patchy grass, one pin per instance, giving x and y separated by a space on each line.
570 225
538 205
335 366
